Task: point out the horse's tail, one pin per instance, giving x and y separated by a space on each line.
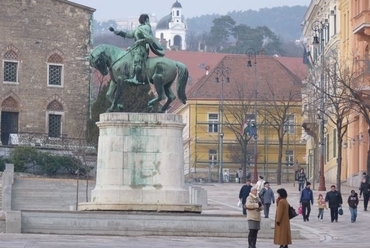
182 80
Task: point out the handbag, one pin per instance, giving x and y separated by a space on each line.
292 212
300 210
340 211
239 204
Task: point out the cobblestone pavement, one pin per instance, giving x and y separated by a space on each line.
222 199
68 241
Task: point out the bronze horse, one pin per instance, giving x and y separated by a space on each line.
159 71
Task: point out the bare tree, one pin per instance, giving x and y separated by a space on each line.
237 113
279 104
332 93
353 78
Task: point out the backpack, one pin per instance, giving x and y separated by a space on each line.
261 194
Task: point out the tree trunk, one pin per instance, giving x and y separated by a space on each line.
339 160
280 156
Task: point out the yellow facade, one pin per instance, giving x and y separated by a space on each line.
202 139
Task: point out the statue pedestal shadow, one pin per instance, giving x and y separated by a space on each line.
140 164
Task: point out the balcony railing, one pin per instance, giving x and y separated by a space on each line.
43 140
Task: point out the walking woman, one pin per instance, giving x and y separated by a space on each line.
254 207
282 234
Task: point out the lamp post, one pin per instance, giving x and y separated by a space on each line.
222 73
252 55
321 28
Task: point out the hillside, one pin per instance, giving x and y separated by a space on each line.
284 21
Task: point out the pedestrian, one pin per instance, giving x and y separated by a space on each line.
352 203
267 197
306 200
282 233
254 207
260 184
301 178
365 190
244 193
322 205
366 177
334 199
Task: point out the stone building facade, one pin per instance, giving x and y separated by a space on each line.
44 78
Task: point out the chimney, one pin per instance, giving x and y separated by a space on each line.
262 51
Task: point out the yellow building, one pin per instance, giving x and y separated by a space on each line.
355 53
221 102
343 31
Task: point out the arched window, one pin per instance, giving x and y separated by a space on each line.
162 36
10 65
177 13
55 116
55 70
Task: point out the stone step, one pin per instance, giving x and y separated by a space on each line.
48 194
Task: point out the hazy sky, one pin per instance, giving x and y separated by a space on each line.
116 9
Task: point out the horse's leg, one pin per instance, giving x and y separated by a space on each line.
158 84
117 95
170 96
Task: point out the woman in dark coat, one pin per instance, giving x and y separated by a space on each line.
365 191
282 233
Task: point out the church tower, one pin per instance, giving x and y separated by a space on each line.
171 29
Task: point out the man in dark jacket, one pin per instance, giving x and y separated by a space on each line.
306 201
334 198
353 202
267 197
244 193
366 177
301 178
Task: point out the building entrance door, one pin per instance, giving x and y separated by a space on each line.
9 124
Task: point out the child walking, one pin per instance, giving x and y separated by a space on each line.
321 203
353 202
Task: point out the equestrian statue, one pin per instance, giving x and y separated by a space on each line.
133 66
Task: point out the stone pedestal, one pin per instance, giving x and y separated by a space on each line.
140 164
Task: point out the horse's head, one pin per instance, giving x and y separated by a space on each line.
98 61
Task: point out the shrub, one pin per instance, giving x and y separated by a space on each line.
72 164
3 161
23 157
50 164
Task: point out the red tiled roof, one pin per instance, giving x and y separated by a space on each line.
196 62
274 81
295 65
271 76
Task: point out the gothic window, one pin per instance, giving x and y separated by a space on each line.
55 114
55 106
10 63
55 70
55 124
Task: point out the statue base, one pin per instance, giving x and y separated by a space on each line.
140 164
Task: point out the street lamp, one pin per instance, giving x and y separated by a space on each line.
320 28
222 73
252 55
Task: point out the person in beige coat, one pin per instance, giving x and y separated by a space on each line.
282 233
254 207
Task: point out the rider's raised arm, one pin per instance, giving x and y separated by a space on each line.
130 34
